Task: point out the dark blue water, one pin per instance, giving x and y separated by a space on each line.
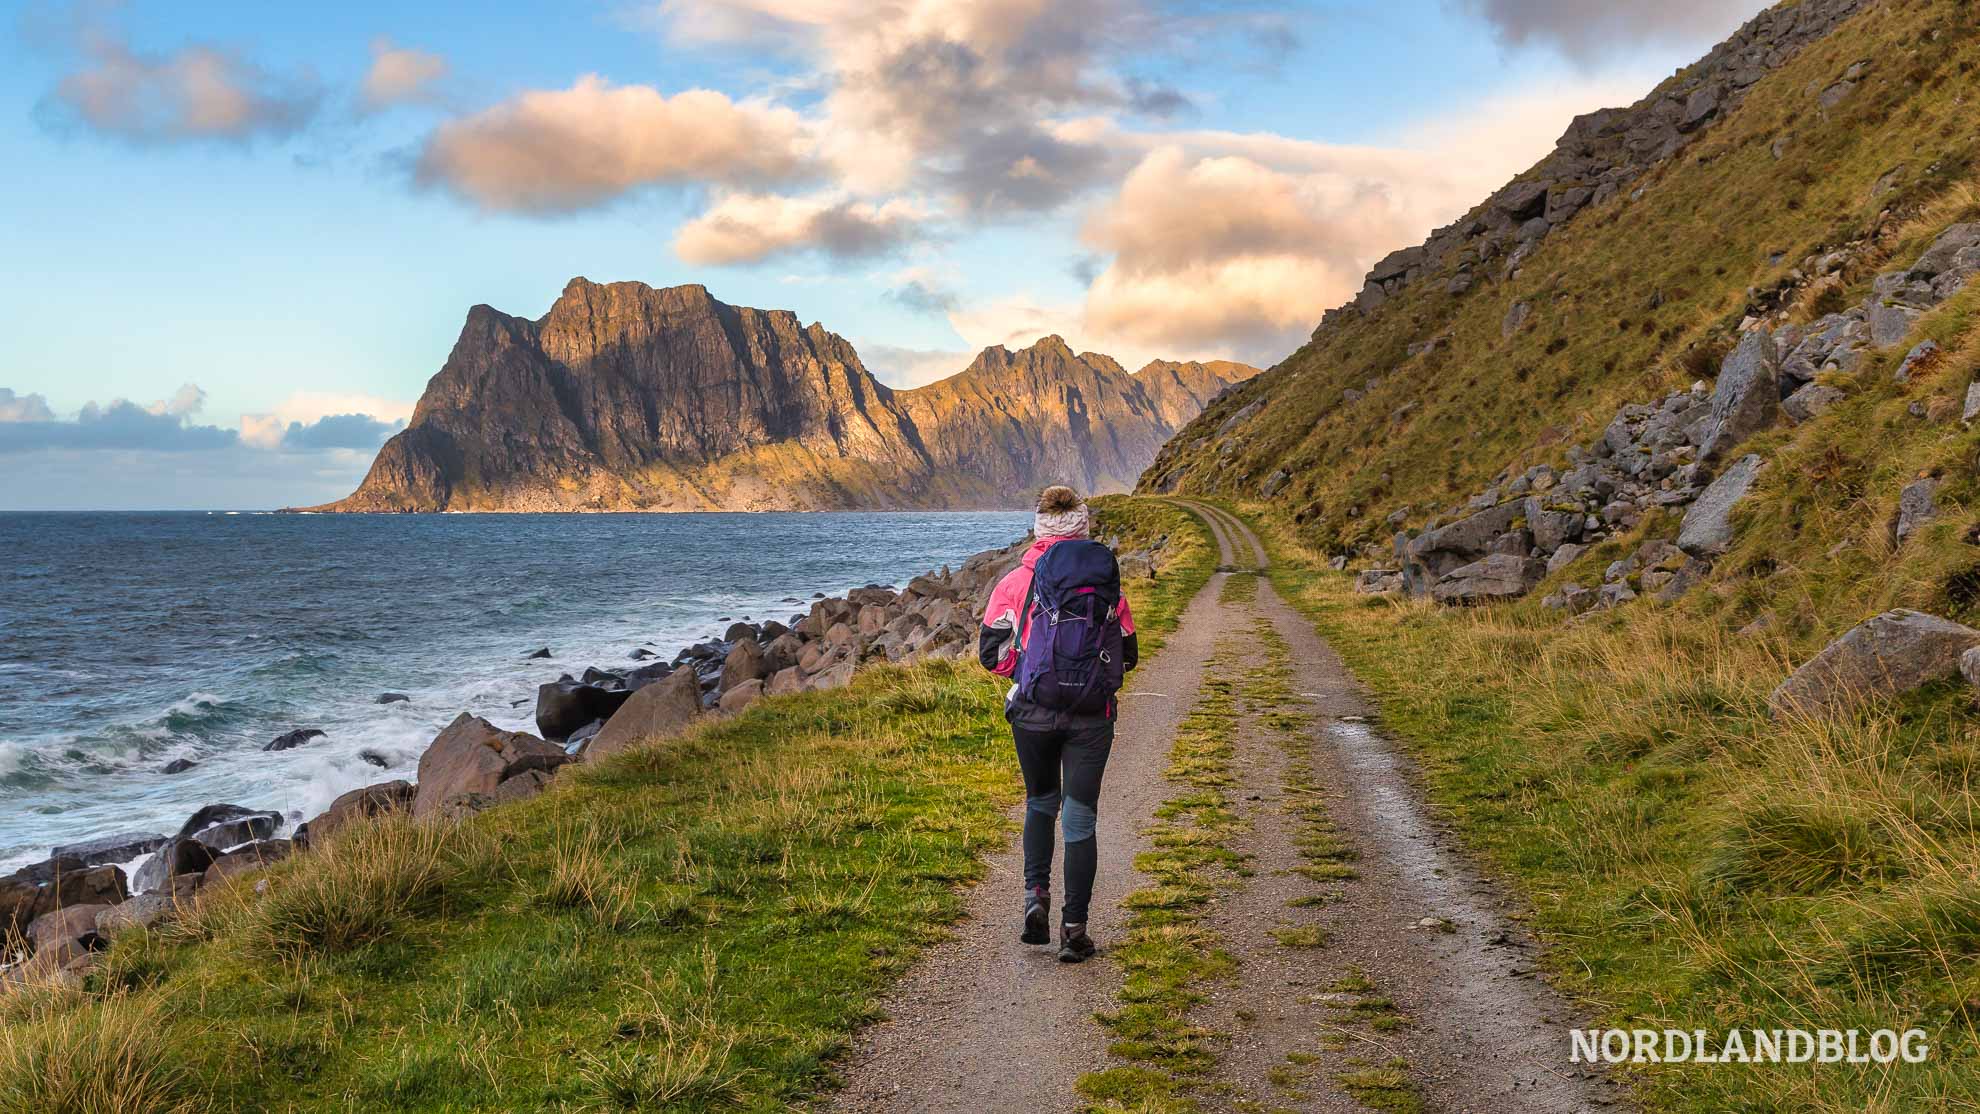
129 640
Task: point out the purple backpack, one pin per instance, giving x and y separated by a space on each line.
1070 659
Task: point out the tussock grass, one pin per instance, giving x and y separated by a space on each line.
694 924
63 1053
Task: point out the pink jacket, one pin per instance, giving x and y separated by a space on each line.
1001 614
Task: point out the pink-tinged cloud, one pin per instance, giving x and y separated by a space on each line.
749 228
559 151
198 93
400 75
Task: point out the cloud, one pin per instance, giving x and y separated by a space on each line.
560 151
1588 30
164 426
23 408
905 368
399 75
748 228
922 294
311 420
1233 244
956 95
199 93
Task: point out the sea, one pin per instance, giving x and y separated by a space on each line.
128 641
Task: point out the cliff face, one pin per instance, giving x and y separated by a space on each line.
624 397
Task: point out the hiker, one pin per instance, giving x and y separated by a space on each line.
1058 626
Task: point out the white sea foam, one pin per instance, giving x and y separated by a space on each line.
12 757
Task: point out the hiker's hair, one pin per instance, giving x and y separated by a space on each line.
1058 499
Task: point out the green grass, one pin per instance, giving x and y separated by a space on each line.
697 924
1171 950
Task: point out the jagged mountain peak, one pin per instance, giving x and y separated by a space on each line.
626 396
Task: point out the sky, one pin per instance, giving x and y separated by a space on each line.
240 237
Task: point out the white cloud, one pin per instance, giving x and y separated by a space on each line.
905 368
308 410
558 151
748 228
400 75
197 93
24 408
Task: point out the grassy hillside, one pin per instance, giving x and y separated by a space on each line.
1634 297
699 923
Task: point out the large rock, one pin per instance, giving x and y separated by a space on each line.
71 923
181 856
359 804
1888 655
1918 504
564 706
786 682
472 758
741 696
241 826
1707 528
744 663
654 712
1810 400
1434 554
833 677
141 911
293 739
244 859
1500 576
1552 526
119 848
1747 397
781 653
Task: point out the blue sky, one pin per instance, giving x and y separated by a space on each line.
240 236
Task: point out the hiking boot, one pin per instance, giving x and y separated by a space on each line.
1037 909
1074 944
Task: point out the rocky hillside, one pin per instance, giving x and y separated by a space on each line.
1722 336
624 397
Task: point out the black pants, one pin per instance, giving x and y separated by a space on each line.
1063 759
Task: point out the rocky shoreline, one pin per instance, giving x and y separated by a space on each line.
57 915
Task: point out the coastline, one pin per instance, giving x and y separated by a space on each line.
141 878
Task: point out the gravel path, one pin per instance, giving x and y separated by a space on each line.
984 1023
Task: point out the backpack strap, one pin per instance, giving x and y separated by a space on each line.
1021 627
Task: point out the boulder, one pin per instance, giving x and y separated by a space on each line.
293 739
786 681
1552 526
371 800
71 923
1497 577
141 911
1969 666
832 677
741 696
873 619
1747 397
181 856
211 815
1881 657
178 766
1378 581
1441 551
1890 324
739 631
393 698
374 758
1572 598
22 900
1921 354
241 860
564 706
119 848
744 663
538 655
654 712
1918 504
1707 527
244 828
472 758
1810 400
1971 408
782 653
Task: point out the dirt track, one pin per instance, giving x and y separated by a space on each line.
984 1023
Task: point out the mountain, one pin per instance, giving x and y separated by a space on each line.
627 397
